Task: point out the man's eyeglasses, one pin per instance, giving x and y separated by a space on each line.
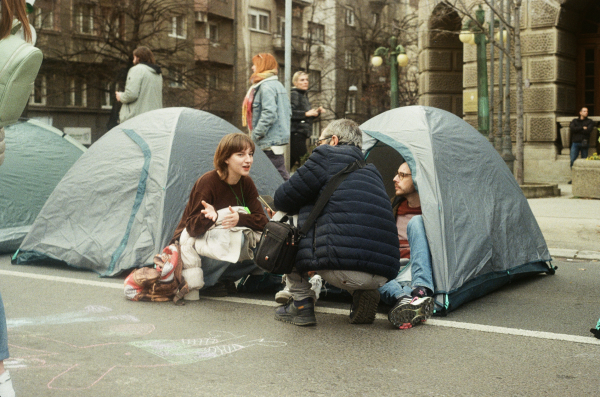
402 175
323 139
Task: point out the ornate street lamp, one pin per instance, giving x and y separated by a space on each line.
473 33
395 56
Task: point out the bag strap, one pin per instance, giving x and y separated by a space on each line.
331 186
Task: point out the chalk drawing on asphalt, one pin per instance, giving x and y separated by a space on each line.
187 351
88 314
78 370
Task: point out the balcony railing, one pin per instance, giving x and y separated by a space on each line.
205 50
216 7
298 43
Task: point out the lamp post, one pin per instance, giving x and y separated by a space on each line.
395 56
473 33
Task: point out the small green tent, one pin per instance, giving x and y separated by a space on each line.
37 157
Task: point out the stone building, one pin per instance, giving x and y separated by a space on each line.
561 73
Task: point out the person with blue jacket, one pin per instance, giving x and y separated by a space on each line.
353 245
267 111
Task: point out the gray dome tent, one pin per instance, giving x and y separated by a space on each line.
480 228
120 203
38 156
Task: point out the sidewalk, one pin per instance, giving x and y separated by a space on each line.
570 226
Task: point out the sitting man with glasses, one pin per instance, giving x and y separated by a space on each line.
353 244
411 297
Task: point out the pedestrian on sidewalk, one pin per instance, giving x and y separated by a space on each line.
580 128
143 89
267 111
303 116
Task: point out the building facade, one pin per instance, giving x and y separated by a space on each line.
560 46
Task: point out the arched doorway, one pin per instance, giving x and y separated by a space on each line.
441 83
586 13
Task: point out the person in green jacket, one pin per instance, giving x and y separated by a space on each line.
143 89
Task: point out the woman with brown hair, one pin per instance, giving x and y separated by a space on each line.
267 111
224 200
14 9
143 89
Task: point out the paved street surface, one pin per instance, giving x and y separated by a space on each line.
74 334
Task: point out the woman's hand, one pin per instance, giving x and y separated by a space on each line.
209 211
118 96
271 213
321 110
231 220
312 113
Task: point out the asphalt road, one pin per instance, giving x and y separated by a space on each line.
74 334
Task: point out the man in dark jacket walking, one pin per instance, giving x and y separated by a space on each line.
353 244
581 128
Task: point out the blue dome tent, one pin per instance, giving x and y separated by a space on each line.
480 228
119 204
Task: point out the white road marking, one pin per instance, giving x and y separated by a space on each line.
63 279
328 310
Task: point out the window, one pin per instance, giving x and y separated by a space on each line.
107 98
213 81
78 93
314 77
281 26
212 32
317 32
350 16
349 61
258 20
351 105
176 76
375 18
38 95
112 23
83 16
178 28
43 18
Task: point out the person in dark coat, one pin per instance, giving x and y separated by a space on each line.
580 127
302 117
353 244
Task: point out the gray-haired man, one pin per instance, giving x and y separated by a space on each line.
353 244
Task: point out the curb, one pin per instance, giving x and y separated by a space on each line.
574 254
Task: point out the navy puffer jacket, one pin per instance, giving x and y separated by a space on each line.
356 230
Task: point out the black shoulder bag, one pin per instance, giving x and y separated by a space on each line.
278 246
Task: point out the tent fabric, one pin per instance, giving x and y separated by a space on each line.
480 228
37 157
119 204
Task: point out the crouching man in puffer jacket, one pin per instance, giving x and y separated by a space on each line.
353 244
